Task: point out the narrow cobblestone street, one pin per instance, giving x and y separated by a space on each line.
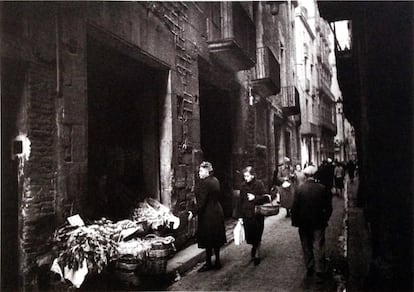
282 266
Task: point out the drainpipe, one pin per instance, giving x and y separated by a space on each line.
289 45
57 36
59 112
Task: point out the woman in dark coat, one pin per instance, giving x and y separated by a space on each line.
211 231
252 193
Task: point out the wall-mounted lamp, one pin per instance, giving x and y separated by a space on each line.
251 97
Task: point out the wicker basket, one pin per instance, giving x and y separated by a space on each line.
127 278
128 263
157 258
125 269
155 266
269 209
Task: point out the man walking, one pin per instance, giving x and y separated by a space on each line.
311 210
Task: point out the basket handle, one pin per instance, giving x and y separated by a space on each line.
150 236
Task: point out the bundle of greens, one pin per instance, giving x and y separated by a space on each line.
93 243
155 214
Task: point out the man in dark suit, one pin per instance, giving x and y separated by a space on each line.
311 210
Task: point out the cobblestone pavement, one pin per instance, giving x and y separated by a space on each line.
281 268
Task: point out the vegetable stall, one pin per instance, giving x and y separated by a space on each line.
140 245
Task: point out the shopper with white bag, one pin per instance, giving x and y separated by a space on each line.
252 193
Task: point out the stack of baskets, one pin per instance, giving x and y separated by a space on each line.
131 257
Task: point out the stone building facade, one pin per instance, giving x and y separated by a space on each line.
314 45
108 103
375 77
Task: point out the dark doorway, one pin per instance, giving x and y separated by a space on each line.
277 131
216 137
288 151
123 130
12 88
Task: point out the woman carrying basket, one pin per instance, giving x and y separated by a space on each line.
252 193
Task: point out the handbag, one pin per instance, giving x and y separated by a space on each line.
268 209
238 233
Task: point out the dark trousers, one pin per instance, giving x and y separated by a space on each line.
313 246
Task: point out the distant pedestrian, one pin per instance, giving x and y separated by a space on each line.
286 177
311 210
252 193
299 175
325 174
350 167
285 172
211 233
339 174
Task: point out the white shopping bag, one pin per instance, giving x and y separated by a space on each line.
238 233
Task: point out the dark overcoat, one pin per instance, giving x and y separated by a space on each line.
253 223
211 231
312 206
286 196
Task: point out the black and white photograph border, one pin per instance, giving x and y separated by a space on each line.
137 135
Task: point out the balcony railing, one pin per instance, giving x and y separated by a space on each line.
290 100
327 117
329 125
266 73
232 37
309 128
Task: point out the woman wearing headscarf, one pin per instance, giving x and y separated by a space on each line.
252 193
211 231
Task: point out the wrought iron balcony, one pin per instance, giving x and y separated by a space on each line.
232 37
328 117
328 125
266 73
309 129
290 100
